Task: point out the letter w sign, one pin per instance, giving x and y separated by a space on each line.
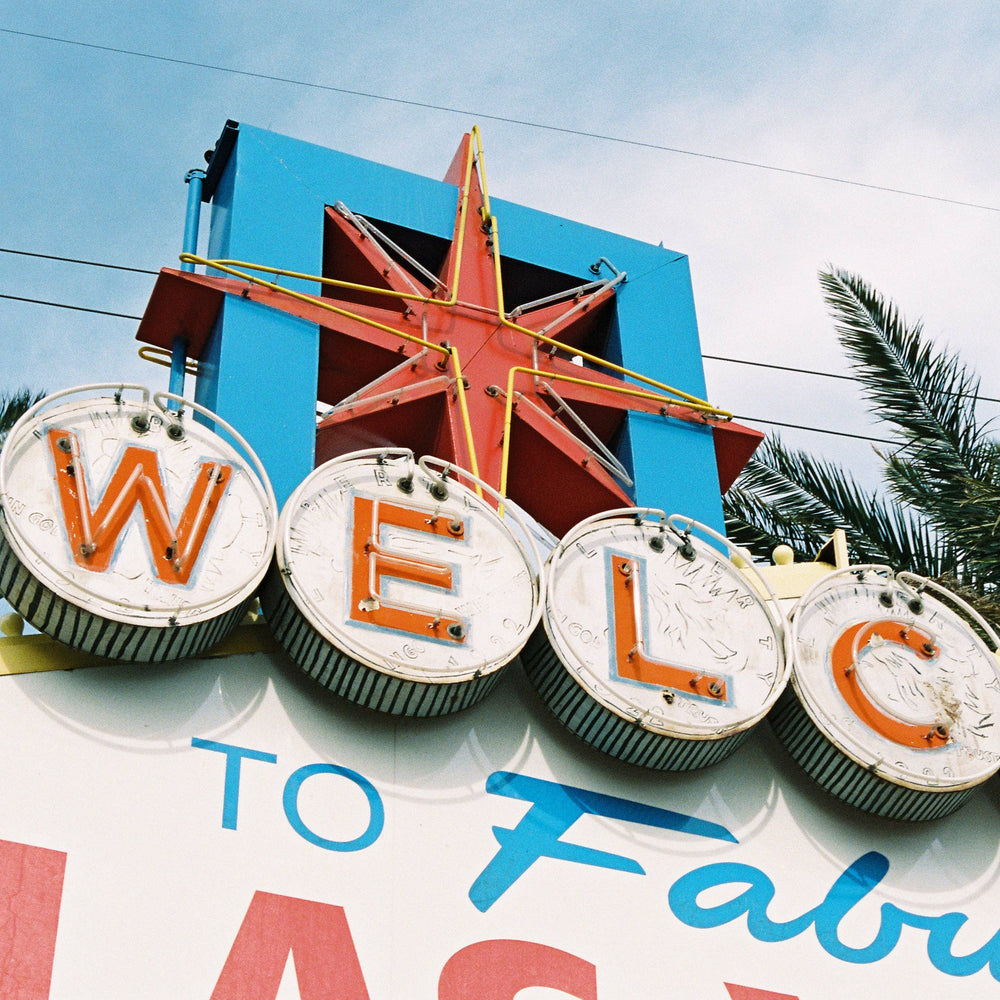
136 482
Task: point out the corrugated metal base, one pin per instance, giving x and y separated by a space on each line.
587 718
356 681
94 634
848 780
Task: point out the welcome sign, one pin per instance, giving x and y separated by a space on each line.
225 827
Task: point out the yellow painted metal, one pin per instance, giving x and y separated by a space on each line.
623 390
161 356
790 580
30 654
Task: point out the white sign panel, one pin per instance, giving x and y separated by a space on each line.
224 828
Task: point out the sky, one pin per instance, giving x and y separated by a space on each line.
906 96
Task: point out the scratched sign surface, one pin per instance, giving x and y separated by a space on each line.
133 511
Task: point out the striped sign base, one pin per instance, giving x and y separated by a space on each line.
843 777
356 681
103 636
607 731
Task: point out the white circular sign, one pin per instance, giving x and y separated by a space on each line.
402 573
898 680
127 523
659 628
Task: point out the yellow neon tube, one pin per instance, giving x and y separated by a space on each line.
190 258
449 352
161 356
554 376
474 153
682 398
228 265
478 136
466 420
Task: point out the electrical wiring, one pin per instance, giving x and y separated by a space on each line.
525 123
707 357
77 260
66 305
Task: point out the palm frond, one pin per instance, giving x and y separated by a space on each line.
942 515
788 496
928 396
12 406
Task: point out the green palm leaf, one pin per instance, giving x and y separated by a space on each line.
929 396
12 406
942 518
947 465
788 496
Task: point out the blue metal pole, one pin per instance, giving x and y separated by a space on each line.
194 180
178 357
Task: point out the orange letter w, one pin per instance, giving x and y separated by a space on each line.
93 534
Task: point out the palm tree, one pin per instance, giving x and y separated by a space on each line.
12 406
939 512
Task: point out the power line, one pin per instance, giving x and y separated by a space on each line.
502 118
816 430
756 420
844 378
65 305
77 260
780 368
706 357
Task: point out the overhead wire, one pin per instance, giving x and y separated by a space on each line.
735 361
141 270
815 430
507 120
77 260
563 130
66 305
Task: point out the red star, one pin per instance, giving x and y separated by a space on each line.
402 392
